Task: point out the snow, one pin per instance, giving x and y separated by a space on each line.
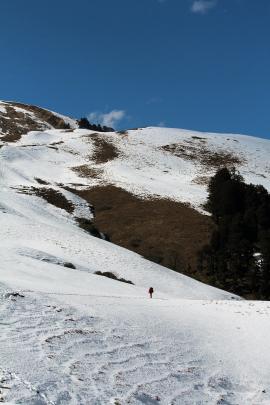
72 347
145 169
69 336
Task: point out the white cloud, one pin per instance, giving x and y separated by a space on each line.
109 119
202 6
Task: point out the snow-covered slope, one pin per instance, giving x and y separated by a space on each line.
69 336
176 164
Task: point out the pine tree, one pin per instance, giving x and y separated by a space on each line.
238 256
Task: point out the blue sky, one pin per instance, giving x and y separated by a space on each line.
201 65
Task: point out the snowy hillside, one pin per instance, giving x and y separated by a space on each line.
177 163
69 336
173 163
157 162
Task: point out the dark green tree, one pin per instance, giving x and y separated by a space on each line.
238 256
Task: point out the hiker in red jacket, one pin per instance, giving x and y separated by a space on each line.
151 290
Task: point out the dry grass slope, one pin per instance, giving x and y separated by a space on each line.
206 157
161 230
14 123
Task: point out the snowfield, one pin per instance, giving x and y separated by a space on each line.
69 336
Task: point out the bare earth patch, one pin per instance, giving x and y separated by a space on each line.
52 196
161 230
198 152
15 123
104 149
87 171
103 153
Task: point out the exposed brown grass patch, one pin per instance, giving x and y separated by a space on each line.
103 153
55 198
206 157
52 197
161 230
44 115
87 171
14 123
104 149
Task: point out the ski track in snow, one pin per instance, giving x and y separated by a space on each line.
71 337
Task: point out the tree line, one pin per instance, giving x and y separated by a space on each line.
237 258
85 124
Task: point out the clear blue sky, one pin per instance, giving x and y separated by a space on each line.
201 64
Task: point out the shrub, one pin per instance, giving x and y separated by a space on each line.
111 275
69 265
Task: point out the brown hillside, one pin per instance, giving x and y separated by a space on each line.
14 123
161 230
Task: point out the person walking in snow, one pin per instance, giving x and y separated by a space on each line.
151 290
